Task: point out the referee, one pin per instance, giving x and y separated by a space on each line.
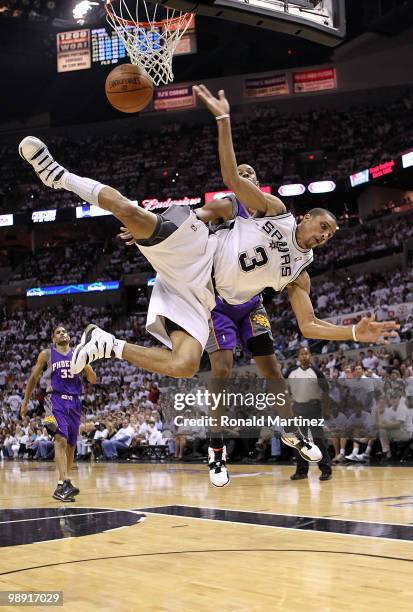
309 391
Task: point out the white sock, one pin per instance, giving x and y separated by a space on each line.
118 347
342 451
85 188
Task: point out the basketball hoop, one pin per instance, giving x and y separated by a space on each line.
149 43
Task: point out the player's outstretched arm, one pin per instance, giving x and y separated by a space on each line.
249 194
366 330
37 371
215 211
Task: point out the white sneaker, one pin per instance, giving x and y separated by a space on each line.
94 344
34 151
340 458
353 457
363 457
218 473
308 450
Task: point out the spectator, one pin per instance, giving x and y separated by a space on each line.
121 440
393 419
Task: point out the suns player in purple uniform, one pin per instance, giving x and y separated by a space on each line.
248 323
63 405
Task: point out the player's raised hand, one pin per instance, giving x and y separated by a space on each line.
23 409
126 236
217 106
369 330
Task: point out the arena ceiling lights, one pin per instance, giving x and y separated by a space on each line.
297 189
288 191
322 187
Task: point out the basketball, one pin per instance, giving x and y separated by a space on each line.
129 88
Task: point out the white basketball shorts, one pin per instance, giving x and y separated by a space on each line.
181 251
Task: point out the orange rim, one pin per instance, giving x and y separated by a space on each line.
144 24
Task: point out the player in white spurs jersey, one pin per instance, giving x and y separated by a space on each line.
267 255
178 245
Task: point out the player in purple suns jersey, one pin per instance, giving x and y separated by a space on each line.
247 323
63 405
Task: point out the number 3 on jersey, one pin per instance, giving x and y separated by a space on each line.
249 262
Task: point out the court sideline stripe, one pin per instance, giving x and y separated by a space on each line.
60 516
269 512
295 529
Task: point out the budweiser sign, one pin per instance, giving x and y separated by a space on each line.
154 203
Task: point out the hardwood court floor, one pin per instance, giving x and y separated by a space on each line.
187 555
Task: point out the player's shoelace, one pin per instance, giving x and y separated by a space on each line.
217 464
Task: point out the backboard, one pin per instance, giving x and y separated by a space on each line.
322 21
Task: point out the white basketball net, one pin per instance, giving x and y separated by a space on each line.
149 43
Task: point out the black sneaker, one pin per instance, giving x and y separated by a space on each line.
326 476
61 494
69 489
298 476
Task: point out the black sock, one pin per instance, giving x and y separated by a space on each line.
292 429
216 443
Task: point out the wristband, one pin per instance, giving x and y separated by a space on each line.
226 116
353 331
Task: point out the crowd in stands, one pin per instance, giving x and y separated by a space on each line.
128 414
366 241
391 207
363 136
59 265
371 405
124 260
74 261
182 160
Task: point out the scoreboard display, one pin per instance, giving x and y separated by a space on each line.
80 49
107 47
